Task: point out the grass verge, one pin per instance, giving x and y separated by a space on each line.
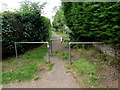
87 71
26 66
87 67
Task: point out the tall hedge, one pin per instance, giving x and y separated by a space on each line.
93 21
22 26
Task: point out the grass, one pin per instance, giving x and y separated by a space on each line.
26 66
88 65
63 55
54 53
93 53
87 71
86 68
63 35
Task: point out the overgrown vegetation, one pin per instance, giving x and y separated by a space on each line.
90 52
25 25
89 64
16 70
93 21
87 71
63 55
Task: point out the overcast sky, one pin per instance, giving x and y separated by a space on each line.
48 10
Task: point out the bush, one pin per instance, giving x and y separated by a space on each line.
93 21
21 26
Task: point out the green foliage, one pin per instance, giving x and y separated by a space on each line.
20 74
85 67
36 78
23 26
35 7
65 55
63 35
111 62
50 66
26 66
93 21
59 21
87 71
54 53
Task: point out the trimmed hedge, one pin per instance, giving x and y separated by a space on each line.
93 21
22 26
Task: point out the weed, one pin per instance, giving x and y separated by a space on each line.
50 66
36 78
67 71
111 62
55 53
65 55
20 74
87 70
68 66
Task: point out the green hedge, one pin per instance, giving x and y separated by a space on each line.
22 26
93 21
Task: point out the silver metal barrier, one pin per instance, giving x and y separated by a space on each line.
31 43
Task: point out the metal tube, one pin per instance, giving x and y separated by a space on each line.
51 46
16 49
80 43
66 39
84 42
56 39
70 55
32 42
48 53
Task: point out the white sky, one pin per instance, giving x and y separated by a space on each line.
48 10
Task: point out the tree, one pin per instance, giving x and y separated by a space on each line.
59 23
36 7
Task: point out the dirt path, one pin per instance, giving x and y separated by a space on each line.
57 78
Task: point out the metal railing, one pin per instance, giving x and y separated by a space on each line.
61 39
80 43
31 43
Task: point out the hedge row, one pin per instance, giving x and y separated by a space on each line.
93 21
22 26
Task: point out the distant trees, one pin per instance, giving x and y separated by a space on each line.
59 22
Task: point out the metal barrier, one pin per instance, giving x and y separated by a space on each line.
80 43
31 43
61 39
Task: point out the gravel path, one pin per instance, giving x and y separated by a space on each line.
57 78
